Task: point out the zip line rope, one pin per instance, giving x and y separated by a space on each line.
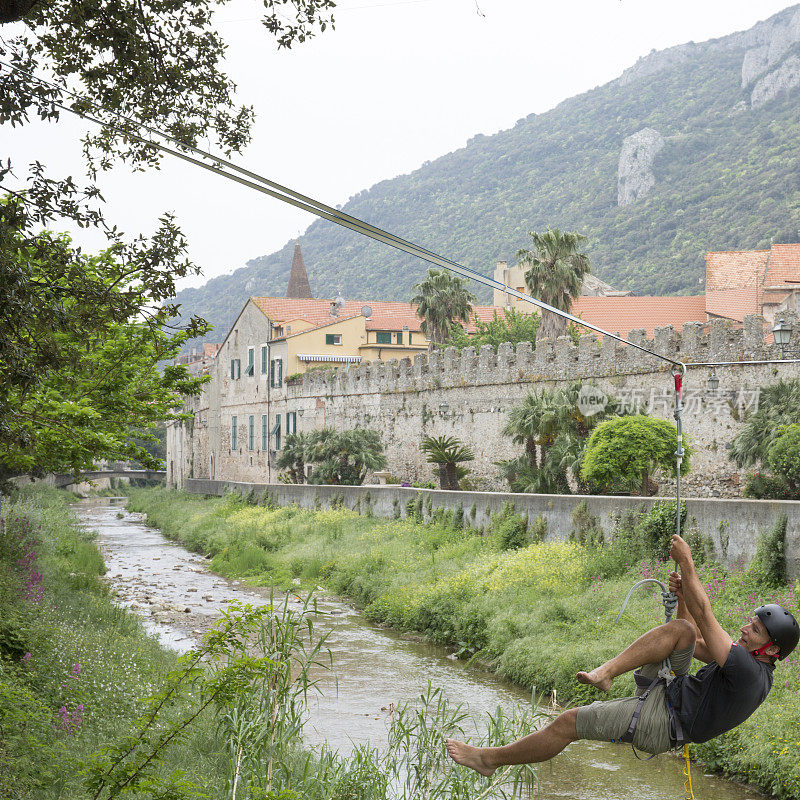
303 202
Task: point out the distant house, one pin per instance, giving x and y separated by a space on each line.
740 282
613 310
304 333
765 282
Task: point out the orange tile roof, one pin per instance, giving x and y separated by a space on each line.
783 265
735 268
624 314
386 315
614 314
733 303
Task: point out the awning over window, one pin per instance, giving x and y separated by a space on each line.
347 359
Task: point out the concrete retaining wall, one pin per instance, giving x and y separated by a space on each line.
733 525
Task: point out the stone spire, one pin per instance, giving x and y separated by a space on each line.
298 277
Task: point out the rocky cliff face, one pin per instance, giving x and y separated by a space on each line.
635 176
766 67
770 67
781 79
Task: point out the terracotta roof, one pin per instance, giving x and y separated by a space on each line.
735 268
210 350
624 314
386 315
733 303
783 265
328 322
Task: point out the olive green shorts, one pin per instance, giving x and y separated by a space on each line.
608 720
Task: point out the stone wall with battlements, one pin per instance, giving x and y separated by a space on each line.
468 395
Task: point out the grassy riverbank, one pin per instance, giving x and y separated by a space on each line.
74 669
537 612
92 707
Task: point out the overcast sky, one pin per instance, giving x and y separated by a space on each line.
397 83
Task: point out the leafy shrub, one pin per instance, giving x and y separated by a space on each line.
586 527
538 530
784 456
622 453
761 486
656 528
769 563
508 529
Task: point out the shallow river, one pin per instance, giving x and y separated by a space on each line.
178 598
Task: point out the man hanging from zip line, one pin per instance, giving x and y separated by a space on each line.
667 710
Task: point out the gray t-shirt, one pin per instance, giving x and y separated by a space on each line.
717 699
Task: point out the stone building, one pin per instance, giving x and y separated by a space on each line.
263 387
240 422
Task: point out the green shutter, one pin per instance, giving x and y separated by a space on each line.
272 373
233 433
263 359
251 426
264 431
277 431
329 338
399 337
280 372
383 337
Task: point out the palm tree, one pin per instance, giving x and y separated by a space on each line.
778 405
298 449
556 269
343 457
554 432
447 453
534 423
442 299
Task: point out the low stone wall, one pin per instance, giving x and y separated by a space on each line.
733 525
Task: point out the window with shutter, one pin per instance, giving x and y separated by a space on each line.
280 373
276 431
263 359
264 431
383 337
399 337
234 433
251 426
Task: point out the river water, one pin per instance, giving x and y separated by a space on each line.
373 668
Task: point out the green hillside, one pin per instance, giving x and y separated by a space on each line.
727 177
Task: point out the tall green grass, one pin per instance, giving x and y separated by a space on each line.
91 707
74 669
536 613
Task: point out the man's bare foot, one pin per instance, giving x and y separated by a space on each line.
594 678
468 755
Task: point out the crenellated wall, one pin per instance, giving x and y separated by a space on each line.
468 394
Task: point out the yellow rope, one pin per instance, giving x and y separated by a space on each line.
687 771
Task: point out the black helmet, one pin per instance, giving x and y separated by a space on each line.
781 626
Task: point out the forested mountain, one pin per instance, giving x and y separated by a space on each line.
693 148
